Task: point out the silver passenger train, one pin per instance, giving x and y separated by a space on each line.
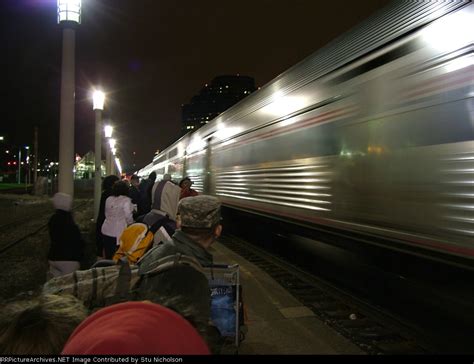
372 134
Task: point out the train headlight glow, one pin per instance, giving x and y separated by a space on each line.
451 32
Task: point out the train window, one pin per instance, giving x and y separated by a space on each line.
172 153
159 160
376 62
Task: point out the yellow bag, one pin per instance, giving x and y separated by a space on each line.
134 242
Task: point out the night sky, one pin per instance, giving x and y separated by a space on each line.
150 56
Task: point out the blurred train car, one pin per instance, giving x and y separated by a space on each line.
373 134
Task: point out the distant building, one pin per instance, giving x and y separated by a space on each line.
215 98
84 168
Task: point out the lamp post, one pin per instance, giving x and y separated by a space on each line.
119 165
27 165
69 16
111 150
19 165
98 99
108 130
35 159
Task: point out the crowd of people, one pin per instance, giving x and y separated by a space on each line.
152 202
169 313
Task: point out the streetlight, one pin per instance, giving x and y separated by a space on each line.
108 130
119 166
111 150
69 16
27 171
19 165
98 98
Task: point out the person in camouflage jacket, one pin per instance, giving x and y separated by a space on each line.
199 225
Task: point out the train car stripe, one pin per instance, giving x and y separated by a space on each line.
335 114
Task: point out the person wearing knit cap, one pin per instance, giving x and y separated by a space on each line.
62 201
134 328
67 246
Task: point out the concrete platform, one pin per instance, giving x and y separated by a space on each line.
277 322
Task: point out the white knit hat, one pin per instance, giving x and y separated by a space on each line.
62 201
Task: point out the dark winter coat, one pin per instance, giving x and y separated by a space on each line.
134 194
144 205
66 239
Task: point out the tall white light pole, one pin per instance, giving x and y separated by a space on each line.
69 16
27 164
19 165
111 150
98 98
119 165
108 130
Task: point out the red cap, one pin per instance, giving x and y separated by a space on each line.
132 328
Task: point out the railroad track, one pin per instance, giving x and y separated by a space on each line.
14 223
370 327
